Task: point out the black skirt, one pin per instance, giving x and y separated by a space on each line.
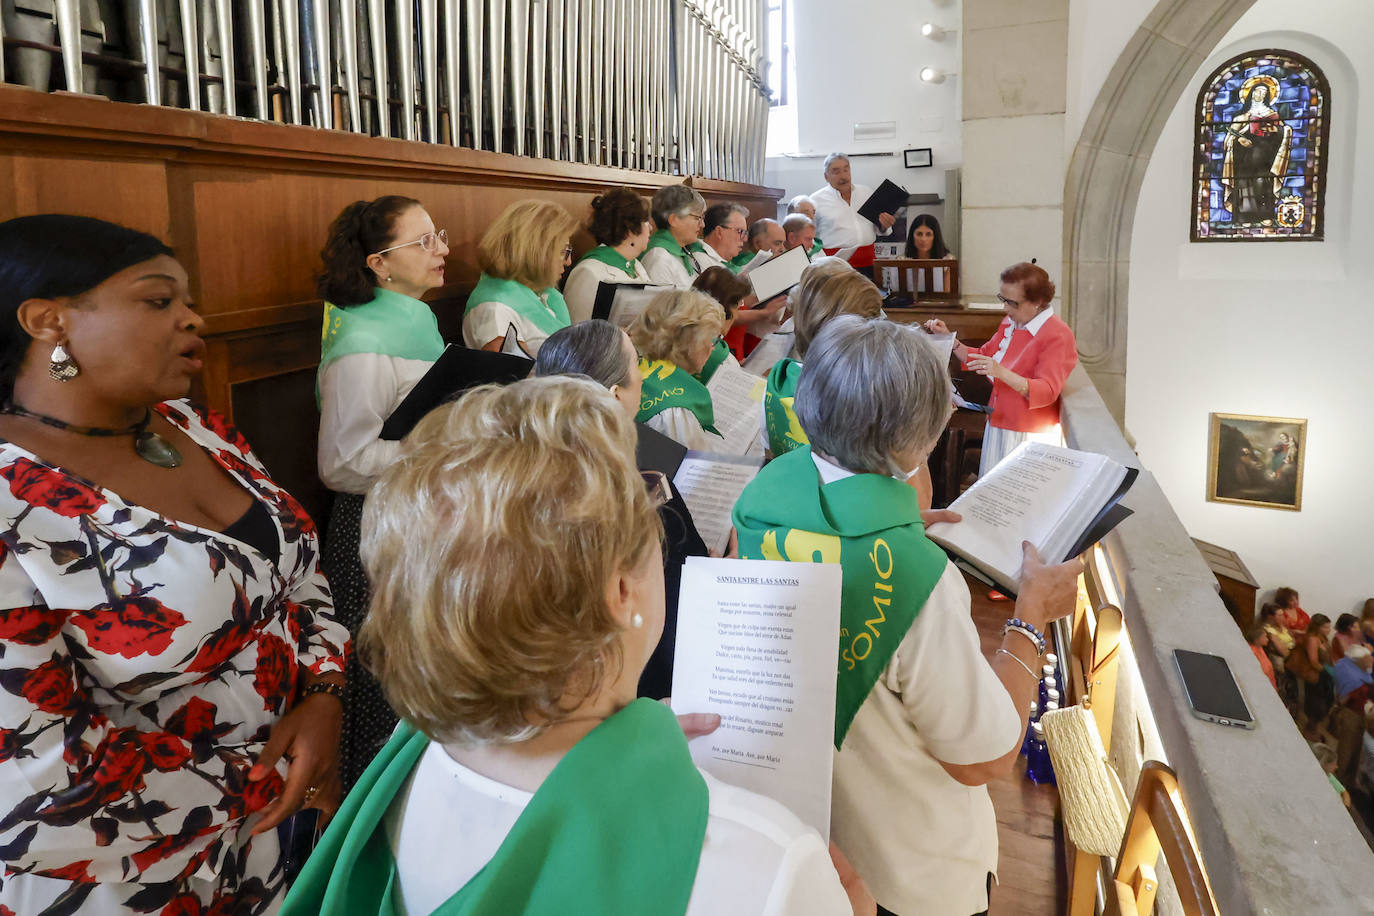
368 720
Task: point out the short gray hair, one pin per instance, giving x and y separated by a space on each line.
794 205
675 200
870 390
796 222
591 348
831 158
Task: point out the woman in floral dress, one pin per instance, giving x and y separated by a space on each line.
169 664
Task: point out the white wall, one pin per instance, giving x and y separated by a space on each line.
1098 33
859 62
1277 329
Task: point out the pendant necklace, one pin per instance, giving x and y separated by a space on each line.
148 445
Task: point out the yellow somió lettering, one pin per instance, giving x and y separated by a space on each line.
811 547
868 646
887 551
881 618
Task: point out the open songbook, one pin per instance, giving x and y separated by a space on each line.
1061 500
710 483
621 303
736 395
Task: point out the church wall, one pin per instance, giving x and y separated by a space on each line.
1098 33
860 63
1273 329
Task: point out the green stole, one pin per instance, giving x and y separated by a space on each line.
525 302
390 325
608 255
736 264
667 386
719 353
817 247
870 525
615 829
784 429
664 239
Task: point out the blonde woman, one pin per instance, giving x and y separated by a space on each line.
675 335
522 256
830 287
523 755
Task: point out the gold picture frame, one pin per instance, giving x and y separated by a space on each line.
1256 461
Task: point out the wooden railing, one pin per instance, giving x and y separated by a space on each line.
1246 819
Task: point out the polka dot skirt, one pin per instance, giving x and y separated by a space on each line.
368 720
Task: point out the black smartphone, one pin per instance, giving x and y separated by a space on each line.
1212 692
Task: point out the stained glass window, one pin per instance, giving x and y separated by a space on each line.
1260 150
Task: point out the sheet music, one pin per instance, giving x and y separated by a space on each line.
846 253
710 484
779 275
763 257
943 344
756 645
769 352
511 345
735 398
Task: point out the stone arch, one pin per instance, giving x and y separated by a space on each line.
1108 166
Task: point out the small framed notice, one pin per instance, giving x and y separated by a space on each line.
918 158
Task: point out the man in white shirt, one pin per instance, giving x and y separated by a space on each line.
722 236
837 213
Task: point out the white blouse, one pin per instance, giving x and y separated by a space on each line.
666 269
580 289
757 858
924 842
486 321
357 393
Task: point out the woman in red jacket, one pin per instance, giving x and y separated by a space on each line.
1028 360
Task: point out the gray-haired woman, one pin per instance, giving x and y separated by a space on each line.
679 213
924 720
602 352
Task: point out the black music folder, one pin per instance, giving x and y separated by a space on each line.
455 371
656 452
889 198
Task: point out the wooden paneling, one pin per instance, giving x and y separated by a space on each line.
246 206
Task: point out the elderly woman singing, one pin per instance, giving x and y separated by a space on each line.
922 720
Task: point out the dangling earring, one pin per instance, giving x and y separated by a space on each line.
637 621
61 366
386 279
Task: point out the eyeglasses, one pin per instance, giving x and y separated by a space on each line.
1005 301
430 242
568 253
656 482
743 233
699 217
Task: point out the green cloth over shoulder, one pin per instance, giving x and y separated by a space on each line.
664 239
547 311
616 829
737 263
817 247
389 325
608 255
779 395
719 353
870 525
666 385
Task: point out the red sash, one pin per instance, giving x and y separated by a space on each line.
863 256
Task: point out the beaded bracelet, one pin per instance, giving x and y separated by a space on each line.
334 690
1018 625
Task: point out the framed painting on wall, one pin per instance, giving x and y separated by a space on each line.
1256 461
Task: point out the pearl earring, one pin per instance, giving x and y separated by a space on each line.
637 621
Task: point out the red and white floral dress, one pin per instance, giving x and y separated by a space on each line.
143 662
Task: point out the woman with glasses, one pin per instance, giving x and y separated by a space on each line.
621 225
522 255
680 214
675 335
379 340
1028 361
602 352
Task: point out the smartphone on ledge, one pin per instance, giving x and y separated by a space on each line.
1212 691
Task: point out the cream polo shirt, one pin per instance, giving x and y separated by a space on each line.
923 842
665 269
357 393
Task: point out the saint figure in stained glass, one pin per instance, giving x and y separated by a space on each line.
1260 151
